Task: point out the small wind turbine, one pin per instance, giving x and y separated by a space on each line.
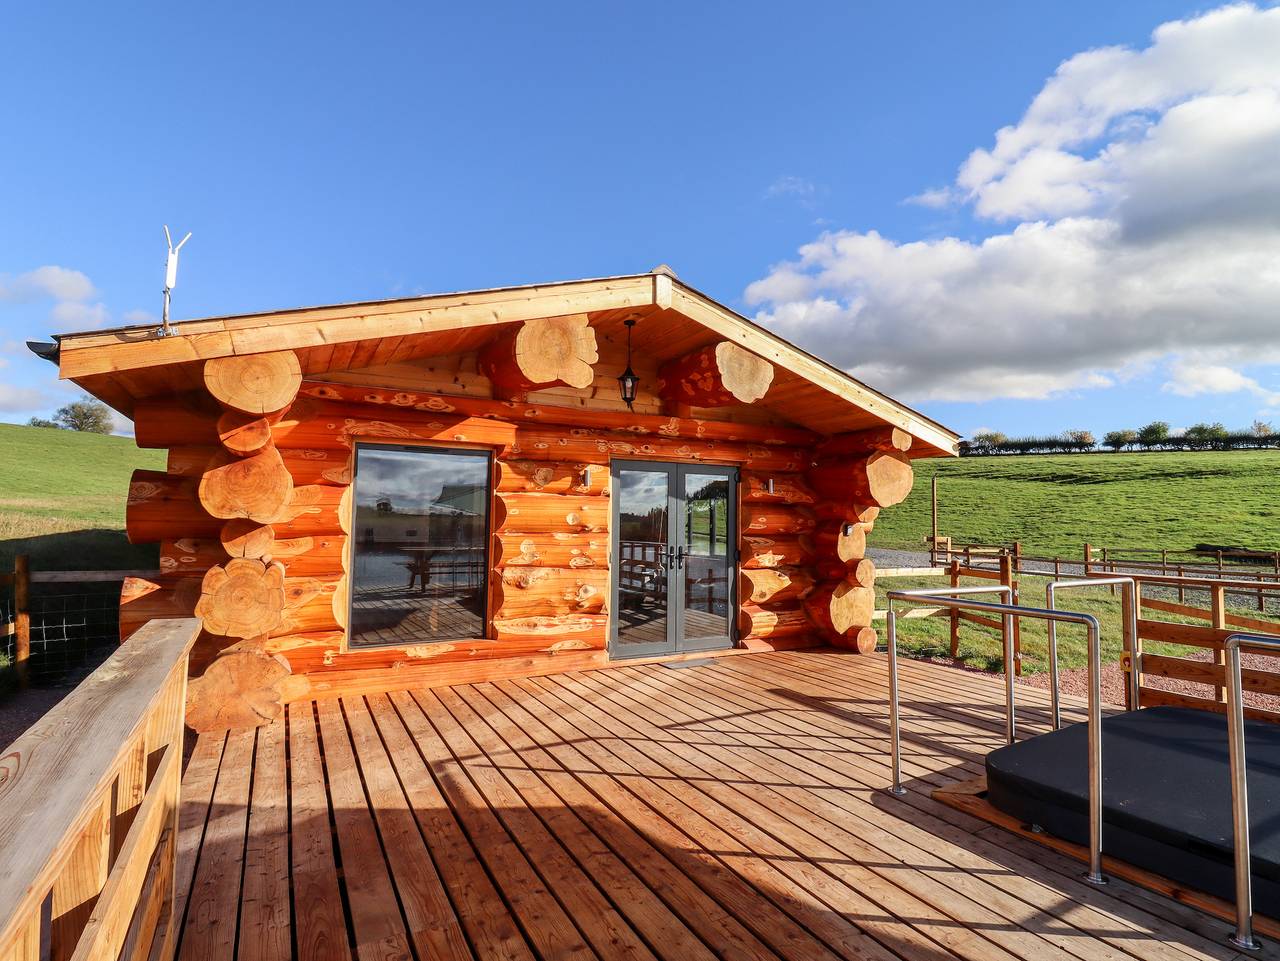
170 277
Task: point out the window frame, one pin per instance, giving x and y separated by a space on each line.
464 450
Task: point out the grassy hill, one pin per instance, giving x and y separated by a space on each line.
62 497
1054 503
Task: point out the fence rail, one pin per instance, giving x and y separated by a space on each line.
89 807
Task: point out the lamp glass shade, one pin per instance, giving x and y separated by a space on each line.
628 383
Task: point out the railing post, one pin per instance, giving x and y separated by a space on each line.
1088 557
933 559
1017 557
22 619
1218 616
955 614
1007 567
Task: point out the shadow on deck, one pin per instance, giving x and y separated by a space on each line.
735 809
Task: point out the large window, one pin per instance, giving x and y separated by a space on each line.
420 553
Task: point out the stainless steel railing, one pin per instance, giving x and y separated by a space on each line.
1130 638
943 597
1243 937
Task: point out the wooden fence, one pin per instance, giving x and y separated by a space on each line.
1002 563
16 622
89 811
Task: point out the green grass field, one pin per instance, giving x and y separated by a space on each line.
62 498
1054 503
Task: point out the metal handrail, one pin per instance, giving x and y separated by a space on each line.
1243 937
940 597
1130 638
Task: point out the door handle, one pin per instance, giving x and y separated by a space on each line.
680 552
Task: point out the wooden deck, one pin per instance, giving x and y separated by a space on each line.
730 810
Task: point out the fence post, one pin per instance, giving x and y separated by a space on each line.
22 619
955 614
933 559
1164 560
1088 557
1017 557
1218 618
1057 567
1006 577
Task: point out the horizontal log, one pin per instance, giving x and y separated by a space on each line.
185 420
860 442
718 375
763 519
313 511
839 545
520 592
145 599
254 383
570 549
240 690
550 513
786 488
550 477
329 426
846 512
862 640
781 550
305 465
244 434
774 585
542 352
523 413
256 487
244 598
554 633
860 570
246 538
301 556
771 623
838 607
883 478
162 507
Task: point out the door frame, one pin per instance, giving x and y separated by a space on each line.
675 643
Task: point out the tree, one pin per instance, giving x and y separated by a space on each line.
1155 434
1082 439
1261 429
42 422
987 441
1205 436
1120 439
90 416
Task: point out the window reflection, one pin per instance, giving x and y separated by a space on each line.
420 552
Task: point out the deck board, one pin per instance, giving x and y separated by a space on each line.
734 809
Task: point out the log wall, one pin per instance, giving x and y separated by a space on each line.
252 515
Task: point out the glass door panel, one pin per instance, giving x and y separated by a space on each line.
674 558
642 559
704 561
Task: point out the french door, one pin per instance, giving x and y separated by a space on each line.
675 537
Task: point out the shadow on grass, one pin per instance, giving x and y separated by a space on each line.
92 549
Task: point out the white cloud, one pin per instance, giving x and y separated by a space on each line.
804 192
58 283
70 315
1192 380
1147 188
934 197
15 400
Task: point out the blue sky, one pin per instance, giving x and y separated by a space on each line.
331 153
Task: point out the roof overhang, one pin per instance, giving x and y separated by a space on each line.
126 364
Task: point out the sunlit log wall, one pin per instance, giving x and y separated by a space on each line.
252 515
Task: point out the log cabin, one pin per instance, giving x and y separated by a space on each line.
510 481
448 588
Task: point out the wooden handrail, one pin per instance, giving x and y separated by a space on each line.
89 805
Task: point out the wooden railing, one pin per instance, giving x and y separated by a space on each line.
89 807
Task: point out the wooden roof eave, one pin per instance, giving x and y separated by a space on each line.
105 362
